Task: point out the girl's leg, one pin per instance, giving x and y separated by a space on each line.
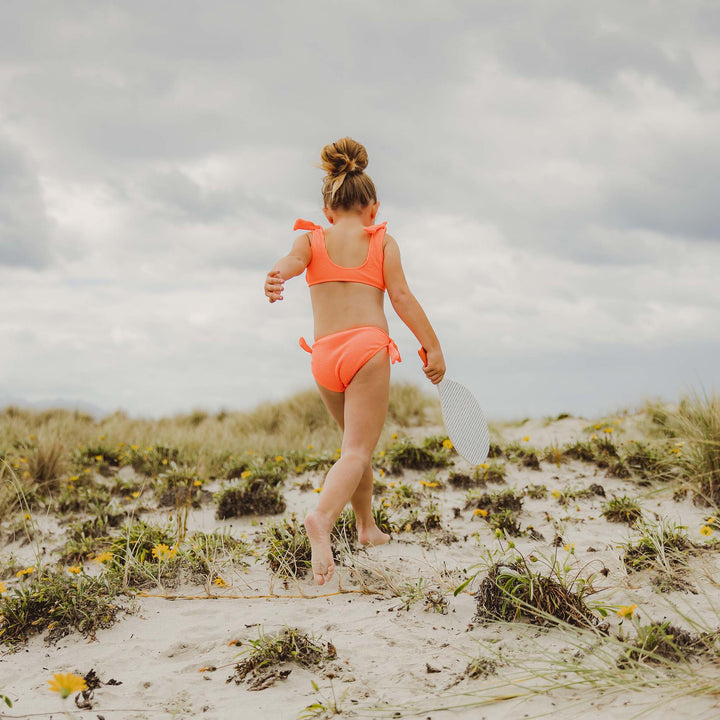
368 532
361 500
365 407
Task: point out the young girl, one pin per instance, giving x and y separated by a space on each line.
348 268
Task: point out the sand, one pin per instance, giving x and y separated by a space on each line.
396 655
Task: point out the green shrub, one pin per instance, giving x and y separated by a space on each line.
512 591
251 497
494 502
622 509
288 553
657 643
405 454
270 651
662 545
59 604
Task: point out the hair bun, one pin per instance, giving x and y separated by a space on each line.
344 156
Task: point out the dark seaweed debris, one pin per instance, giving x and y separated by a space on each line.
513 592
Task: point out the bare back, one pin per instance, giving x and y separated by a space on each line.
342 305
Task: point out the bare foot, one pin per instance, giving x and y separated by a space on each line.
372 535
323 565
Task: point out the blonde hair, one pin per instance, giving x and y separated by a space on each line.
346 185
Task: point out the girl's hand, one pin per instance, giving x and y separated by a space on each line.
434 366
274 286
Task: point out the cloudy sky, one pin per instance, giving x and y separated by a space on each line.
548 168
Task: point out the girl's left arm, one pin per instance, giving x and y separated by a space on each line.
288 267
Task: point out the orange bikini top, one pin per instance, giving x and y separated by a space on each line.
322 269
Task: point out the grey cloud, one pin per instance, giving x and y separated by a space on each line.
576 50
167 80
24 232
677 193
592 43
183 199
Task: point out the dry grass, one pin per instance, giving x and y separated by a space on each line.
697 423
203 443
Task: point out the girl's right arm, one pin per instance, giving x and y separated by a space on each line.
288 267
410 311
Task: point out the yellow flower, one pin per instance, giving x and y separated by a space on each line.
425 483
2 588
197 483
526 438
27 517
594 437
249 452
393 436
310 447
569 547
136 494
162 552
394 483
626 611
298 468
317 490
481 512
134 447
103 557
74 477
556 493
164 461
99 458
706 530
447 444
608 430
67 683
76 569
219 582
484 466
86 471
102 437
382 472
597 427
278 458
26 571
382 453
386 504
712 519
245 474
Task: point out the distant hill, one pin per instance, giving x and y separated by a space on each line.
63 403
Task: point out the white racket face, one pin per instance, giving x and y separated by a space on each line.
464 421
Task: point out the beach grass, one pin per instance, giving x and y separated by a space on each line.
560 568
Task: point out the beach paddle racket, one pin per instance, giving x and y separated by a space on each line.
464 419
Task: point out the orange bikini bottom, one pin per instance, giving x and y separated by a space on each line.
336 358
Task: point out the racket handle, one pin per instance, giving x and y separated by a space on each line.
423 355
